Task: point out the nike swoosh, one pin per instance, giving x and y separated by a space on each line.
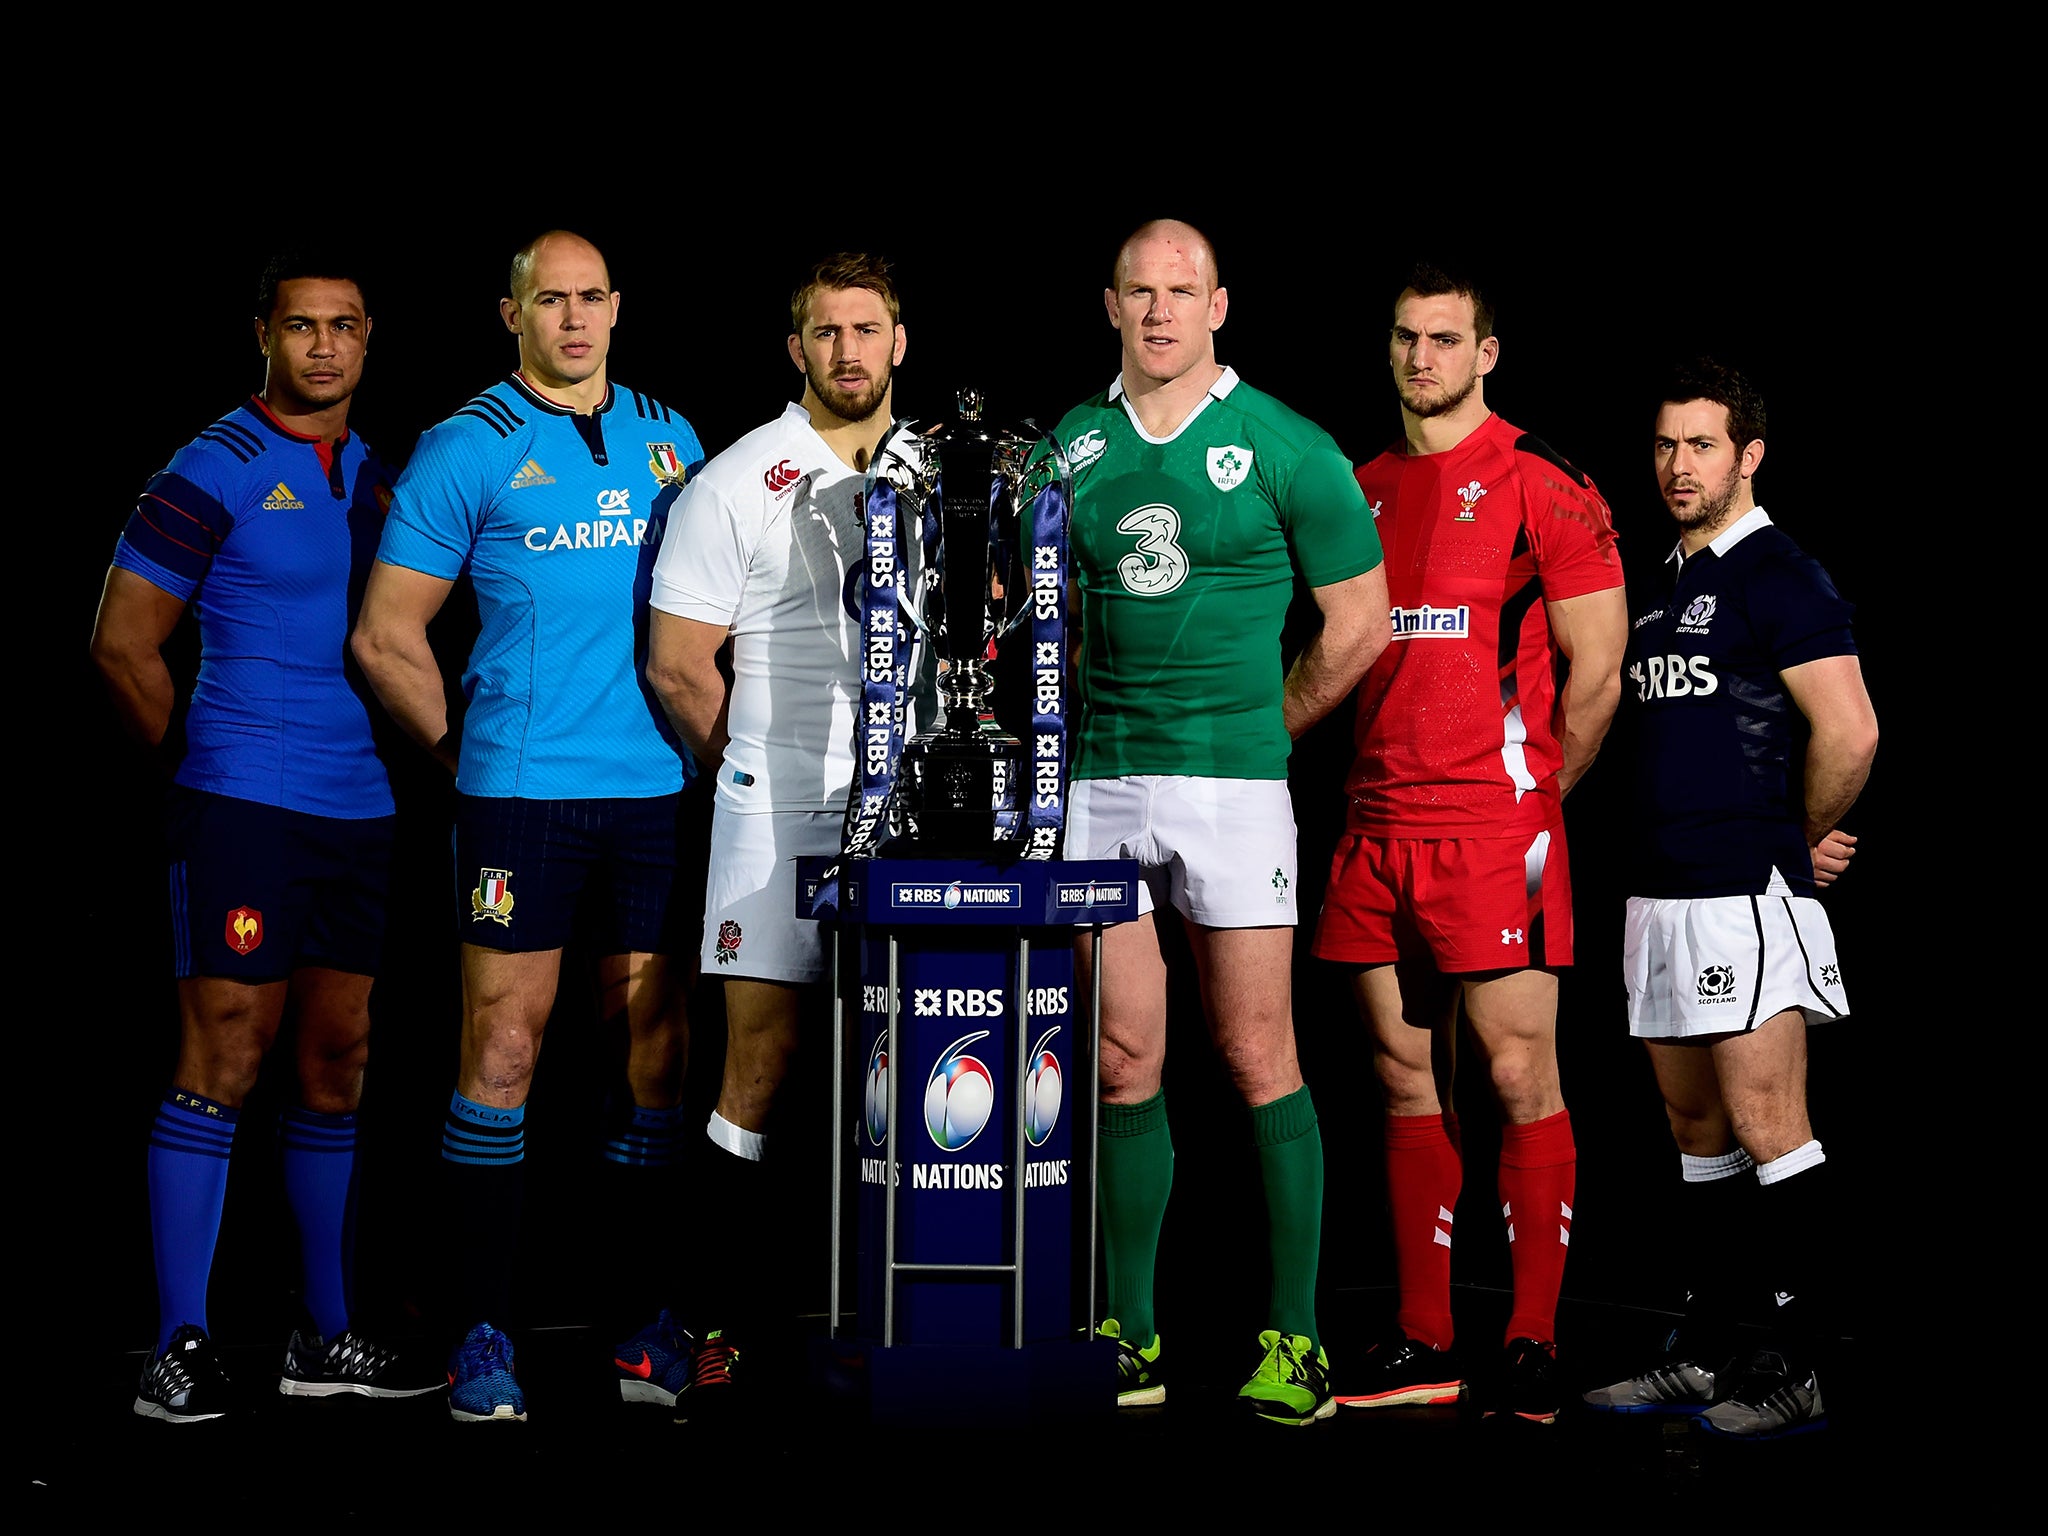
643 1370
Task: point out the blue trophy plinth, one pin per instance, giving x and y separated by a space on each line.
964 1136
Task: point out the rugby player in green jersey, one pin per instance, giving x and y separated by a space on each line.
1198 500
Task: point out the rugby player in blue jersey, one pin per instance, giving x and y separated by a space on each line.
1753 736
549 491
279 821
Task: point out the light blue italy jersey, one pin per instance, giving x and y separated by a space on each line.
556 517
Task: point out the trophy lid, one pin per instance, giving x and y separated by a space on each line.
969 403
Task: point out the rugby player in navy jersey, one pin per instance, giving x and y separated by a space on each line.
279 821
1753 735
549 490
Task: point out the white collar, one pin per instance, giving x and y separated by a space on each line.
1750 522
1225 383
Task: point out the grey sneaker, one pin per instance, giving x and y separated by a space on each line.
1675 1386
1772 1397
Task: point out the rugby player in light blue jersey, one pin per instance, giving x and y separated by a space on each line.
279 821
549 491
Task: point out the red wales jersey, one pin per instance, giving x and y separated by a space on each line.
1456 732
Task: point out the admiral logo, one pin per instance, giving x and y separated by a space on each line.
1228 466
1088 895
959 1096
530 474
666 463
1717 984
959 894
1432 623
875 1091
1375 507
1699 613
614 524
281 499
1086 448
1044 1087
781 478
1469 494
1673 677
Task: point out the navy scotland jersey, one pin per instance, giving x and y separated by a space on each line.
556 517
1719 744
269 535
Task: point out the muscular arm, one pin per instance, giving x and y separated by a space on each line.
135 618
682 667
1357 625
1592 632
1830 693
390 644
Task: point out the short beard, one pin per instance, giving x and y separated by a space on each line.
1711 507
861 407
1444 406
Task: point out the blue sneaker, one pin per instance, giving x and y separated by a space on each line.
654 1364
480 1382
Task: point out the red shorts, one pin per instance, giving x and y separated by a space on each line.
1462 903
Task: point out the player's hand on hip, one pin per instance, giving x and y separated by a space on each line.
1831 856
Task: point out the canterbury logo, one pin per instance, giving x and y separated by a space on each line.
281 499
781 477
530 473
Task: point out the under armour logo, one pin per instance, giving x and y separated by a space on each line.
1511 935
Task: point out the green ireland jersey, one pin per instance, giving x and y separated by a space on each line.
1185 549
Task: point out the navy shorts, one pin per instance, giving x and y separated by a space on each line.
257 891
532 874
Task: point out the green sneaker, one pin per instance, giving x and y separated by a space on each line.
1292 1384
1140 1378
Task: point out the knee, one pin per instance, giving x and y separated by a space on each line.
1526 1084
1405 1087
1129 1076
1768 1129
1699 1134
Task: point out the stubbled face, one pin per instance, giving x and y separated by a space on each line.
1438 359
314 340
1701 474
564 322
1166 307
848 351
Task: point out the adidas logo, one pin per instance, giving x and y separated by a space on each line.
530 473
281 499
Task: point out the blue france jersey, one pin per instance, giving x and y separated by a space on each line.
269 536
1718 743
556 517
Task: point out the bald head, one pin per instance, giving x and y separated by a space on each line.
1174 233
560 241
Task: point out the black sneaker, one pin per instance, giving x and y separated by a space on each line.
1400 1371
185 1383
1527 1387
1771 1398
714 1368
349 1362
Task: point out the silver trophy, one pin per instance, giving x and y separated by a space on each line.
982 512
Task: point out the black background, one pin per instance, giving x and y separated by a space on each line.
1600 280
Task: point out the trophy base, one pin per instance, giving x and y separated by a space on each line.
959 793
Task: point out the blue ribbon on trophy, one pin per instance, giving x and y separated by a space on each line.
963 788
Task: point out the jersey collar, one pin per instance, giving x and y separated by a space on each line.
1750 522
1226 381
542 402
264 414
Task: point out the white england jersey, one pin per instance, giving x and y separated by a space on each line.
761 541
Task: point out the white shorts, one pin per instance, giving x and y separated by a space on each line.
1220 851
1722 965
751 929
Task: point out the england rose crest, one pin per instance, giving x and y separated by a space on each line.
728 942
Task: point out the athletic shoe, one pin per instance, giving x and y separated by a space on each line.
1527 1387
654 1365
349 1362
1140 1378
185 1383
1292 1383
1401 1370
1677 1384
714 1373
1772 1397
480 1381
